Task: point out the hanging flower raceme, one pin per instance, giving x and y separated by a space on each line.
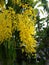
27 32
26 26
24 23
6 21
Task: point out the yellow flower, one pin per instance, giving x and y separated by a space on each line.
6 21
26 26
24 23
16 2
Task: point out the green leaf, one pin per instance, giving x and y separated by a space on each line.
41 11
36 11
41 5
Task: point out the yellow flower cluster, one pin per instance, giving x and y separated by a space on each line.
27 30
22 1
6 21
29 11
26 26
24 22
16 1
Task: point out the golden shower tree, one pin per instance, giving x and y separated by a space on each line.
17 30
